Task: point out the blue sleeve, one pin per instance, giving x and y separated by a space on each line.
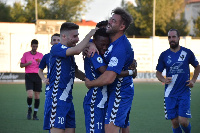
117 60
59 50
97 61
193 60
160 66
43 62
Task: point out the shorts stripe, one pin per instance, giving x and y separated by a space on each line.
166 117
54 94
117 101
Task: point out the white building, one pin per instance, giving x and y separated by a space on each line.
192 12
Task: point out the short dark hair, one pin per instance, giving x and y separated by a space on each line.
34 41
56 34
177 32
100 32
102 23
68 26
126 17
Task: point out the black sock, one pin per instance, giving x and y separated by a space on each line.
36 106
29 102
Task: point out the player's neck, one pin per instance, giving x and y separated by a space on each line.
176 49
114 37
33 53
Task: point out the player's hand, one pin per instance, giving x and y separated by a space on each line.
87 83
90 50
30 62
38 60
190 83
92 32
168 80
133 65
46 81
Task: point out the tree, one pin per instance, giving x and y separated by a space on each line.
5 12
197 27
17 13
69 10
168 12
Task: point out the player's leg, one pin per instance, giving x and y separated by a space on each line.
37 89
29 90
57 130
119 105
29 102
175 125
184 113
126 130
185 124
70 130
171 113
111 128
36 105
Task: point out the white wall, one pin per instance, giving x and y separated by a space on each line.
14 42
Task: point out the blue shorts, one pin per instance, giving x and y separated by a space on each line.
119 107
64 116
94 118
177 106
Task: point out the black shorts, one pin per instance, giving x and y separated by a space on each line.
33 82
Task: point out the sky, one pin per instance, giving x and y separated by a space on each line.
97 10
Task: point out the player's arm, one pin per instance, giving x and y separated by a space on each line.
132 70
41 74
25 64
79 74
161 78
79 47
194 78
106 78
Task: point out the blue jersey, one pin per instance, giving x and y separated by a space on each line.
95 101
177 67
119 57
91 66
45 62
61 73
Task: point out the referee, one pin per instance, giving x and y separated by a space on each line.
31 61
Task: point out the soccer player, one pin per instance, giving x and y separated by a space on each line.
95 101
55 39
176 61
31 61
60 114
119 56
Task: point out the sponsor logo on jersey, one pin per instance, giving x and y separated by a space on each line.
182 56
113 62
108 51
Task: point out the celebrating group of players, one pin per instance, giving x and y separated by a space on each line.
109 71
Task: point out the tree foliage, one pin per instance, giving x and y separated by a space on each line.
169 14
5 12
197 27
69 10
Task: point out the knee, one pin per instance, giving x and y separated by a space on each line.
175 123
184 123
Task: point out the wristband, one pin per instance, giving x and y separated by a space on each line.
130 72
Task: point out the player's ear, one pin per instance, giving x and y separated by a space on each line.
122 26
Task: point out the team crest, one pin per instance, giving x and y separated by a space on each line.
100 60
